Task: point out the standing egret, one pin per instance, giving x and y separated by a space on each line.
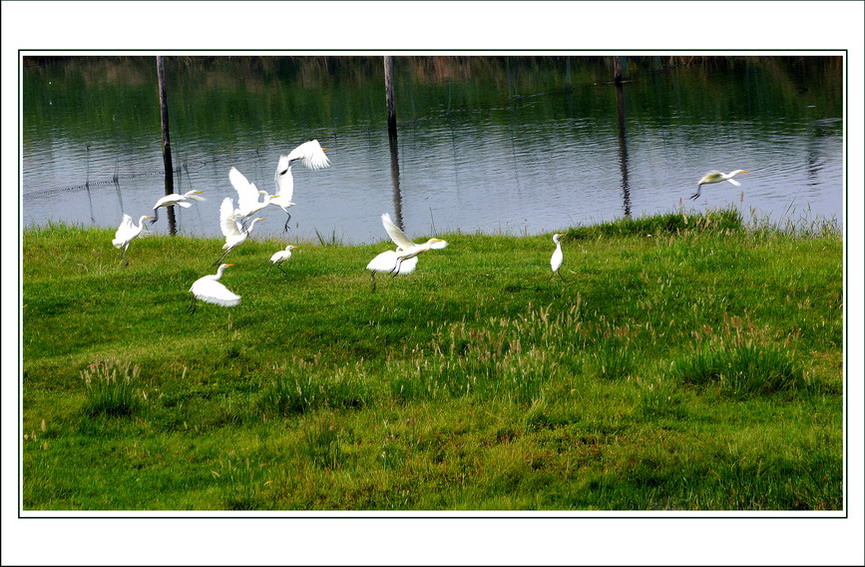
556 258
279 257
310 154
717 177
233 230
175 199
208 289
386 263
247 196
126 232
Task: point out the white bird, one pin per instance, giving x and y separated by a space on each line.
310 154
717 177
175 199
247 196
406 250
279 257
386 263
126 232
234 231
556 258
209 289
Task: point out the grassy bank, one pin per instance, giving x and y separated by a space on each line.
686 363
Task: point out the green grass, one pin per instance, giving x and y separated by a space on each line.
688 363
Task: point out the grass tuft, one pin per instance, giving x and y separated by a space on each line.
111 389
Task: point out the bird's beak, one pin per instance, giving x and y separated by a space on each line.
148 217
324 149
198 192
260 218
745 171
228 265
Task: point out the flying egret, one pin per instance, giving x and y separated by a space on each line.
556 258
126 232
717 177
208 289
175 199
247 196
279 257
310 154
386 263
234 231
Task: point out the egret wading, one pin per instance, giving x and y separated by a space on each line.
209 290
235 233
557 257
393 261
717 177
279 257
126 233
175 199
311 154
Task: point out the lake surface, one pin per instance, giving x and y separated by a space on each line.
518 145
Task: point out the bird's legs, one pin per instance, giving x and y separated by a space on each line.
192 305
284 273
697 194
285 228
155 216
395 271
372 275
123 257
561 276
224 254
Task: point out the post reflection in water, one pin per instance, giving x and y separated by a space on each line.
623 149
394 176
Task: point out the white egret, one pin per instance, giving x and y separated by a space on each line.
175 199
717 177
310 154
386 263
208 289
556 258
406 250
279 257
234 231
126 232
247 196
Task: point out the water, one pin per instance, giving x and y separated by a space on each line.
518 145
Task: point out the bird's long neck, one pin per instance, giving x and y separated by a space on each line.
252 224
141 221
218 273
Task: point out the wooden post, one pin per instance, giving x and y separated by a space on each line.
388 88
166 143
392 140
617 70
623 149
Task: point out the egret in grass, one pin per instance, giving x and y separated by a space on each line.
234 231
279 257
175 199
126 232
386 262
557 257
406 250
208 289
247 196
310 154
717 177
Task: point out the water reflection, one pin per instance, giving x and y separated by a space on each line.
493 144
623 147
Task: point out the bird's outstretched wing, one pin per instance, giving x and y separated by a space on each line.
247 192
398 236
227 220
311 153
